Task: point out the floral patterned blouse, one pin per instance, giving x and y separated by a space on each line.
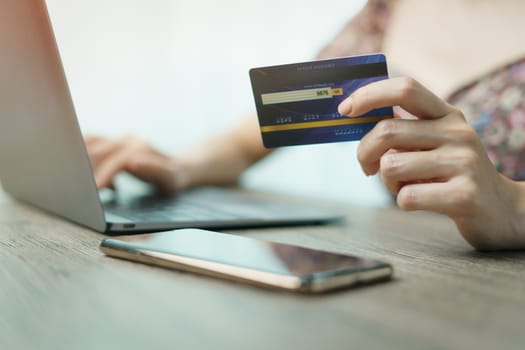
494 104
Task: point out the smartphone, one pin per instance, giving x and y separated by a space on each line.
249 260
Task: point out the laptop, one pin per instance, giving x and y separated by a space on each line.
43 158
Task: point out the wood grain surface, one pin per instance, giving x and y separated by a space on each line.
58 291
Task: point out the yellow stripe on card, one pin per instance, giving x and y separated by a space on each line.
323 123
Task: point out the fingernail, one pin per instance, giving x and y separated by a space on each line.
345 107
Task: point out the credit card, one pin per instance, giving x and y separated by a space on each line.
297 103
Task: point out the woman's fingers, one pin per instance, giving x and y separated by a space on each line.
450 198
147 166
102 149
93 139
443 122
404 92
133 155
396 134
156 169
401 168
415 135
114 163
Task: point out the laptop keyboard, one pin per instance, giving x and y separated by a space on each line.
170 212
198 205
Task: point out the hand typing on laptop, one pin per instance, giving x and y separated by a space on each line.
134 155
217 161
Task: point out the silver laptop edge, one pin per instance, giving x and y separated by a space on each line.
38 125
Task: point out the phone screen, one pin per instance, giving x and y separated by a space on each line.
243 252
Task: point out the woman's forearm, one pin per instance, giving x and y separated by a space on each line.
221 159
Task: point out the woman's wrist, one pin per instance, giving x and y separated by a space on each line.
199 168
501 225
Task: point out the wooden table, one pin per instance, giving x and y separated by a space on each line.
58 291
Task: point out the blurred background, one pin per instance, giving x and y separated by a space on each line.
175 72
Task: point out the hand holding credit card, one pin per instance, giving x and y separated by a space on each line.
297 103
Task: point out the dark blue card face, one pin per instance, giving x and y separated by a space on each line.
297 103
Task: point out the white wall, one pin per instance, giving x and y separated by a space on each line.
175 71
